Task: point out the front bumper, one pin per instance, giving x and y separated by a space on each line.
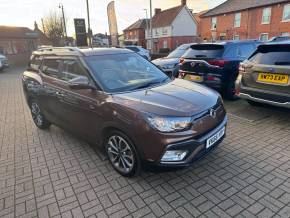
196 148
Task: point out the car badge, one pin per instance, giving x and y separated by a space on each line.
271 69
192 64
212 113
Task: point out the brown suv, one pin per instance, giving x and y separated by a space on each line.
116 98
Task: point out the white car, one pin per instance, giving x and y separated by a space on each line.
139 50
3 62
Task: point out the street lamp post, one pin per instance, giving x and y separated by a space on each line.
151 31
89 24
63 20
147 29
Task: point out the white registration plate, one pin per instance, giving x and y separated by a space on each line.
212 140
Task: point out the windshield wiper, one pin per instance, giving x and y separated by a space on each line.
146 85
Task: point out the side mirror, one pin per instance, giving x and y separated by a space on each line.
80 82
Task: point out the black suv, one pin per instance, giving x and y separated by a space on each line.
216 64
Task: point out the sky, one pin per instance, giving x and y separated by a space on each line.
25 12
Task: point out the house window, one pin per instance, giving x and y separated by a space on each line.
165 45
213 23
285 34
286 13
164 31
237 22
264 37
236 37
266 18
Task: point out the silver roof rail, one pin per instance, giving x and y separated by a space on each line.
59 50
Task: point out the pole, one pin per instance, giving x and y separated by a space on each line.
89 24
147 26
43 28
63 20
151 31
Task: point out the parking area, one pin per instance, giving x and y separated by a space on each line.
54 174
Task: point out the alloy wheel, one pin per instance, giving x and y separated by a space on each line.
120 154
36 114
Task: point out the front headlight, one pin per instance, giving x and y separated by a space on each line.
169 124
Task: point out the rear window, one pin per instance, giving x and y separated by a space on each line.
204 51
272 55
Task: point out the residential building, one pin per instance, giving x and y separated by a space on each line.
246 19
17 43
135 33
172 27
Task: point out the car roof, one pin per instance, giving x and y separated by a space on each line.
75 51
284 42
231 42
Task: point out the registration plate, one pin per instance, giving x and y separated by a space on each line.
212 140
195 78
273 78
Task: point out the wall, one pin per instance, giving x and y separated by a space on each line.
251 24
184 25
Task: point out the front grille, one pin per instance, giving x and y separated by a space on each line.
206 123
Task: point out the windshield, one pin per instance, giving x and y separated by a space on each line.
125 72
177 53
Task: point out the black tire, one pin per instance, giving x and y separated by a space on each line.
124 157
255 104
38 117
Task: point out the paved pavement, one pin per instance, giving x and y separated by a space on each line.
53 174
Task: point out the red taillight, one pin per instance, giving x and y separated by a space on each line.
181 75
181 61
218 63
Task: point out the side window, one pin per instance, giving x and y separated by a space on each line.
50 67
35 62
71 70
231 52
246 50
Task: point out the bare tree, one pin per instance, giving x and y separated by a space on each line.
53 28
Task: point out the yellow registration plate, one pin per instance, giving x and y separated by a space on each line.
195 78
273 78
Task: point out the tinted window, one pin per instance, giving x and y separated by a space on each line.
204 51
51 67
124 72
35 62
246 50
71 70
135 49
231 52
272 55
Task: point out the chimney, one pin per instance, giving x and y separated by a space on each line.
157 10
183 2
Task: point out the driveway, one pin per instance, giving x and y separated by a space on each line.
54 174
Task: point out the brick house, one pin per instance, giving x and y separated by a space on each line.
246 19
135 33
172 27
17 43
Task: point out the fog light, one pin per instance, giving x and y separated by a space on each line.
174 155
